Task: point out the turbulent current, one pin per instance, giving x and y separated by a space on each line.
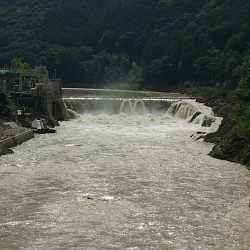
129 179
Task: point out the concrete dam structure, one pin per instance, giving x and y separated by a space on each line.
187 109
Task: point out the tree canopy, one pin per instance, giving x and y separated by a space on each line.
90 42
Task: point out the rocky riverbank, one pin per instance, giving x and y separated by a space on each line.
229 145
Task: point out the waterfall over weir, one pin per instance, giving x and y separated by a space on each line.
188 109
136 107
196 113
117 105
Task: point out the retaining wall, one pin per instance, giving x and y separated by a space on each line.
15 140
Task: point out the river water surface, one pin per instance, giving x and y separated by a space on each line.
122 182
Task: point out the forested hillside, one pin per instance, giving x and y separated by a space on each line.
160 44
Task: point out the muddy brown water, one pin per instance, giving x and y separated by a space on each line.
122 181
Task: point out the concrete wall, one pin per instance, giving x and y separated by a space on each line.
16 140
52 104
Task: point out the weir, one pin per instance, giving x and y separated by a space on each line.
196 113
186 109
117 105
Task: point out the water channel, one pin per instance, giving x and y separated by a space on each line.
126 180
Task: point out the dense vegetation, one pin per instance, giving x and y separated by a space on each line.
235 143
142 44
168 42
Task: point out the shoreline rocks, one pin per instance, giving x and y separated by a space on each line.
228 146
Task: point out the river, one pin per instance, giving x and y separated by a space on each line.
122 181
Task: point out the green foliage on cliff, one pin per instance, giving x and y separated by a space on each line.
233 138
18 65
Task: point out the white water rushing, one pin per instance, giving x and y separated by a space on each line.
124 181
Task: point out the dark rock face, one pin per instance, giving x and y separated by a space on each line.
228 146
233 149
6 151
228 149
225 127
221 104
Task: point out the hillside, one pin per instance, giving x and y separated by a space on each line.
95 41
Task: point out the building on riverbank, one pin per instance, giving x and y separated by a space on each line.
34 94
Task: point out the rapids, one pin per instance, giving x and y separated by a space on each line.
124 180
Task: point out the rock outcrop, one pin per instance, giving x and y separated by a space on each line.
228 145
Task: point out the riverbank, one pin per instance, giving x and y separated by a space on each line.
29 107
229 145
12 135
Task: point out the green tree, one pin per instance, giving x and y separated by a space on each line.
18 65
